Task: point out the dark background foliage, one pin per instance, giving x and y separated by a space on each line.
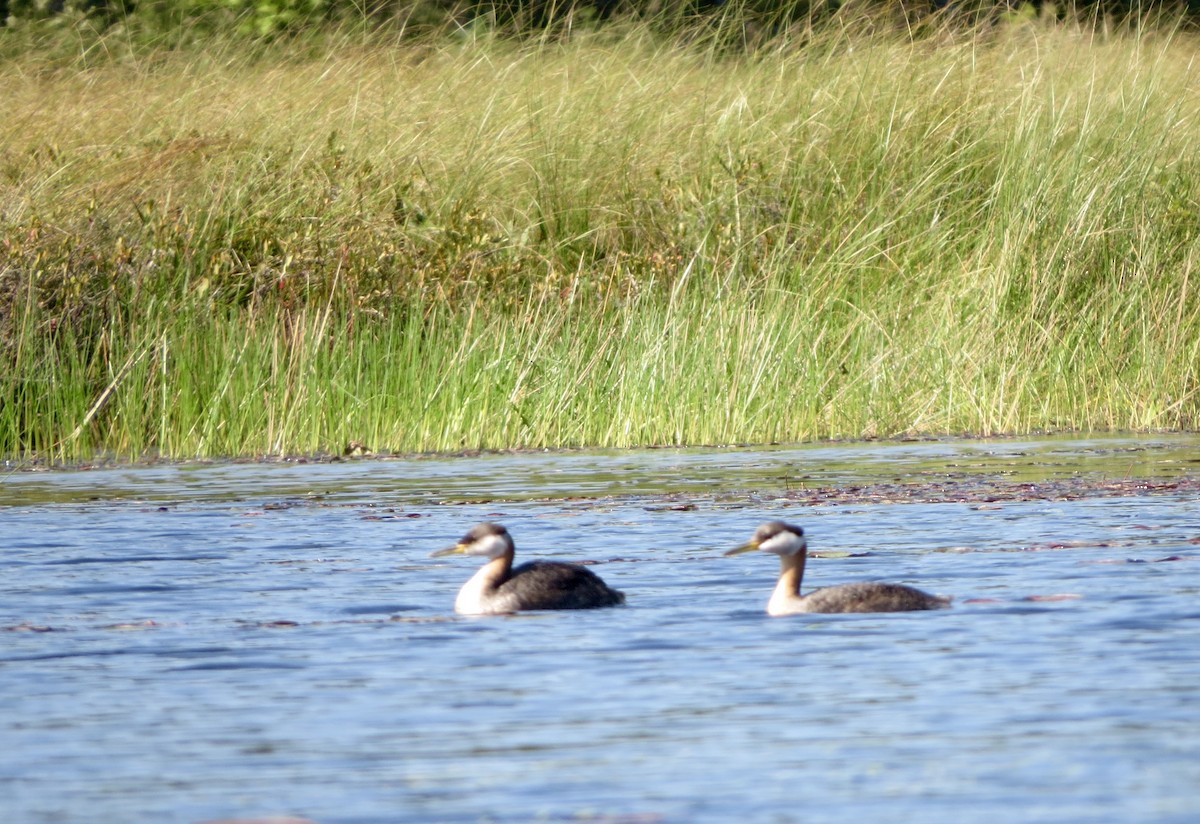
270 17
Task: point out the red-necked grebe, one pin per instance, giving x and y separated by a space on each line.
787 541
499 588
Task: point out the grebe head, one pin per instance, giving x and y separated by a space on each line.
487 539
778 537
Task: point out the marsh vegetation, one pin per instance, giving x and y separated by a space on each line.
610 236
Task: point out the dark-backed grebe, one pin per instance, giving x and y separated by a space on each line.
499 587
787 541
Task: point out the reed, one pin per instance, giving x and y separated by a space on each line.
614 238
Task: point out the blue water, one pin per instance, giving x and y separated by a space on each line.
189 643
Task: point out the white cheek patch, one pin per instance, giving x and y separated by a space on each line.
785 543
493 546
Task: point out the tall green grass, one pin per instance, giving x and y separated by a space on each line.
612 238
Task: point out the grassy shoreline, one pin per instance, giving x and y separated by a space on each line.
603 241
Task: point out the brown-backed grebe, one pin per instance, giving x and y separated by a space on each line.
787 541
499 587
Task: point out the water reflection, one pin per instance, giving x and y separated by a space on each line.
188 643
